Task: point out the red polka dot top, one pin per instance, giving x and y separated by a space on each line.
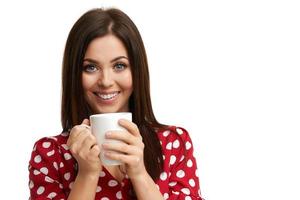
52 170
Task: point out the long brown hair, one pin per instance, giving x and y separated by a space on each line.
98 23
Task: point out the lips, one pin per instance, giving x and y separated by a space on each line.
107 96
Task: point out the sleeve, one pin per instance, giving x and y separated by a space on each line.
183 181
44 181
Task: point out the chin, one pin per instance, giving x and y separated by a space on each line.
109 110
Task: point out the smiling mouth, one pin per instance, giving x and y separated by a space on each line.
107 96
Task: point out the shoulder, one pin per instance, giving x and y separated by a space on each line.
51 149
51 166
58 141
174 137
173 132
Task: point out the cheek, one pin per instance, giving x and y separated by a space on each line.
126 82
87 82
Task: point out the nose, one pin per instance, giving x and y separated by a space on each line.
106 80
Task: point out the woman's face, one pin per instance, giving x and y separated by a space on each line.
106 76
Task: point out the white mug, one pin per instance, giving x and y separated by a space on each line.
101 123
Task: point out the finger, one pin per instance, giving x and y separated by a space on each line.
95 150
86 122
82 135
124 136
75 132
80 138
122 148
88 143
130 126
127 159
76 145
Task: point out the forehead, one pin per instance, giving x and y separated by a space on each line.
106 47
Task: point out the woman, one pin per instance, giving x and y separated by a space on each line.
105 70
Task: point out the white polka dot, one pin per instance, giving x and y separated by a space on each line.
172 159
55 165
52 195
163 176
104 198
102 174
187 198
36 172
181 159
61 165
185 191
60 186
172 183
67 156
175 192
119 195
196 173
169 146
40 190
31 185
37 159
180 174
179 131
98 189
164 157
192 182
48 179
112 183
34 148
166 133
189 163
166 195
71 185
65 146
157 186
176 144
44 170
50 153
188 145
67 176
46 144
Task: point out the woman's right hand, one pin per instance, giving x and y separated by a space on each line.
84 148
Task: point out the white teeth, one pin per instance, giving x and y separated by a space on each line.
107 96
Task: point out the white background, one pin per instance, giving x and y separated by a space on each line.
227 71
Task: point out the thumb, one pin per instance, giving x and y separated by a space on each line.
86 122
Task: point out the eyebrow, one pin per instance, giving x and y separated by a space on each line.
113 60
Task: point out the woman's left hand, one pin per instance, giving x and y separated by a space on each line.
131 152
